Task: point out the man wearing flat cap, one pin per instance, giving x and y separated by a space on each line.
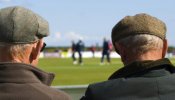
21 41
141 42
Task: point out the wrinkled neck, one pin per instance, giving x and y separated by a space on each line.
151 55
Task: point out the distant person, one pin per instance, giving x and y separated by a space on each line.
110 46
147 75
21 41
79 49
105 51
73 52
93 50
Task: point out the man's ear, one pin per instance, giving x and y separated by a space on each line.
165 48
116 47
36 51
121 51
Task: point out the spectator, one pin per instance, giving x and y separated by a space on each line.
141 42
21 41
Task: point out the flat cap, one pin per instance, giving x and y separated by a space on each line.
21 25
138 24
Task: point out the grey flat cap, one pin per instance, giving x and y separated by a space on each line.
138 24
21 25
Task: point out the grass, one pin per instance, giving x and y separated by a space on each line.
68 74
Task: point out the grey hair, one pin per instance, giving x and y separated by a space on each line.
139 44
15 50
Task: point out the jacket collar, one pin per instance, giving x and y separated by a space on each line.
142 66
23 73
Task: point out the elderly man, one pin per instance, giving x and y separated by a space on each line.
21 41
147 75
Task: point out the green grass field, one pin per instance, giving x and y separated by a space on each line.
69 74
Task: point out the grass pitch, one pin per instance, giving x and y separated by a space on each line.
68 74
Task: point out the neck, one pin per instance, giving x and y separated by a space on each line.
12 60
151 55
6 57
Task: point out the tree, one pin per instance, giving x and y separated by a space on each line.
171 49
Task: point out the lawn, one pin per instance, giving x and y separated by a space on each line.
69 74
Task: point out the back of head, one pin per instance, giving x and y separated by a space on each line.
139 34
19 28
20 25
140 44
138 24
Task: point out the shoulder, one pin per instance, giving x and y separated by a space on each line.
53 93
97 91
30 91
106 84
128 87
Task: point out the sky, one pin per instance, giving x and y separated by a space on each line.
92 20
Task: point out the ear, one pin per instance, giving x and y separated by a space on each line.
121 51
36 51
165 48
117 47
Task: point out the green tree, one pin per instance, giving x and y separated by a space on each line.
171 49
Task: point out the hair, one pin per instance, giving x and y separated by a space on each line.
140 44
14 50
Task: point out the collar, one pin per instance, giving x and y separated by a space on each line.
23 73
141 67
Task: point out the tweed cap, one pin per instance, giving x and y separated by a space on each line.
21 25
138 24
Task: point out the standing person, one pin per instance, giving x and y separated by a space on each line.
21 41
110 46
105 52
93 50
79 48
147 74
73 52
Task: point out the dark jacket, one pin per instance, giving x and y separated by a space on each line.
79 46
25 82
105 47
147 80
